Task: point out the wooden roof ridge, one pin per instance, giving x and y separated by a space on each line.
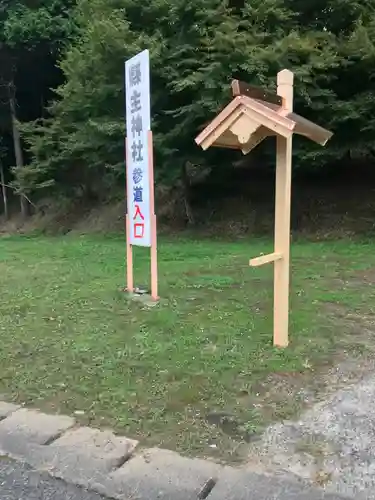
269 109
303 126
243 102
243 88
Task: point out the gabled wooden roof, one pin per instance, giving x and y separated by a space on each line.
263 118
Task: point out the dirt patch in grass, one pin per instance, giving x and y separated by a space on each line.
362 277
357 329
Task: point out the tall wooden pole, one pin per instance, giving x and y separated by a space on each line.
154 251
129 246
282 218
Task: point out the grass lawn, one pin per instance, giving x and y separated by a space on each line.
196 373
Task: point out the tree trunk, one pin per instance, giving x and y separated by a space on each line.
17 145
4 191
186 194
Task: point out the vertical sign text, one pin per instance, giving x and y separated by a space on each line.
137 88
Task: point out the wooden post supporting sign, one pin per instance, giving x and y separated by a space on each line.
282 217
154 252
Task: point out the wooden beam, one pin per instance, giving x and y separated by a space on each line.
265 259
310 130
282 219
225 145
243 88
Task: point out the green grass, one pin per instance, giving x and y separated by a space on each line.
197 370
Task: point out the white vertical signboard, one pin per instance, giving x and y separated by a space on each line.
138 122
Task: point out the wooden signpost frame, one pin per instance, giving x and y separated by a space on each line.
253 115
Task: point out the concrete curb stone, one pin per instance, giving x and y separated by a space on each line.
160 474
7 408
84 456
113 465
24 428
240 484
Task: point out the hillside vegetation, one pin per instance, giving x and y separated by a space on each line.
62 86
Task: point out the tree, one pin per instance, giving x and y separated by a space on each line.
3 182
197 47
31 34
80 149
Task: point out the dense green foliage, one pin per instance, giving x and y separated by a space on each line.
32 33
196 47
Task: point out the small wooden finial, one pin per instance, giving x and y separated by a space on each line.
285 79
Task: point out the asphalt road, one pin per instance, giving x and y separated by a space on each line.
19 482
